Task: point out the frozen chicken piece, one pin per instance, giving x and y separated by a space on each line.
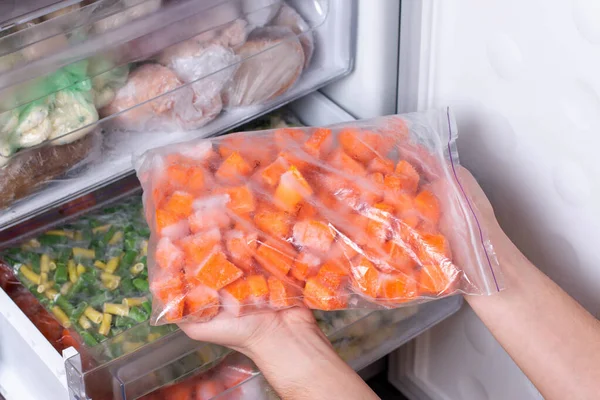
260 12
145 83
273 61
290 18
72 116
130 10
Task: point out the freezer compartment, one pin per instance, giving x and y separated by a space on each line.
75 125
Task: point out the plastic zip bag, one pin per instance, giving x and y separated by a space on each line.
358 215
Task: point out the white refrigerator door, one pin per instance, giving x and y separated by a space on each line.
522 77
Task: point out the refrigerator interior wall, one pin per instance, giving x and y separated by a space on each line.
107 146
522 79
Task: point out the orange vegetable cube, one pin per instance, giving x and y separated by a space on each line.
259 289
271 174
233 170
382 165
380 220
428 206
273 222
241 199
397 288
406 170
197 248
395 185
295 158
404 204
180 204
346 164
202 301
433 249
235 297
307 211
292 189
305 265
314 235
365 277
280 294
400 257
289 137
164 219
276 257
178 174
196 180
361 145
180 392
374 192
320 142
167 287
437 280
217 272
211 212
332 275
321 297
168 256
241 248
342 252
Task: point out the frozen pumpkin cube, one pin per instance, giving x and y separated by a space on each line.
202 301
168 288
320 143
332 275
346 164
235 297
289 137
198 248
259 290
342 251
280 294
400 256
365 277
241 247
241 200
406 170
428 206
361 145
168 256
307 211
305 265
180 204
210 212
292 189
397 288
273 222
382 165
217 272
437 279
271 174
321 297
276 257
178 174
314 235
234 169
170 225
191 177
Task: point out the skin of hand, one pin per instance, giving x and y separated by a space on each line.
550 336
290 350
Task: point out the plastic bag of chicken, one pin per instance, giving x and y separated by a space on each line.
359 215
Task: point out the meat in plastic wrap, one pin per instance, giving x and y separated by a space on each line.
290 18
127 11
273 61
358 215
260 12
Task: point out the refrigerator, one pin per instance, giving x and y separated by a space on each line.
519 76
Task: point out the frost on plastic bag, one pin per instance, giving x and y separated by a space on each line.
365 214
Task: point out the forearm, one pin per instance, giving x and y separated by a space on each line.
554 340
303 365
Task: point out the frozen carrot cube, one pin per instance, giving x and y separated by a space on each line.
202 301
361 145
380 220
178 174
271 174
307 211
289 137
292 189
259 290
241 199
241 247
396 185
256 150
305 265
273 222
164 219
233 170
276 257
373 193
321 297
332 275
428 206
365 277
280 295
406 170
397 288
196 180
207 389
436 279
320 143
342 251
296 158
198 248
170 225
167 287
399 256
432 249
235 297
217 272
339 193
168 256
159 196
382 165
346 164
314 235
180 204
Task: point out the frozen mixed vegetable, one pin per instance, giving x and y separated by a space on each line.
356 215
